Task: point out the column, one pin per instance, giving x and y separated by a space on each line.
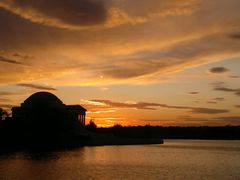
84 119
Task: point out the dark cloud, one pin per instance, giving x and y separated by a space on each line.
209 110
7 60
6 93
221 86
140 105
218 70
193 93
233 77
37 86
22 56
152 106
235 36
228 118
60 12
218 121
18 33
215 100
199 110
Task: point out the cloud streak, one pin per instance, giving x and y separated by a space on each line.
64 13
215 121
22 56
37 86
177 57
233 77
221 86
152 106
193 93
6 93
228 118
5 100
218 70
235 35
7 60
75 14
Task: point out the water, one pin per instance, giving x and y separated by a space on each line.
176 159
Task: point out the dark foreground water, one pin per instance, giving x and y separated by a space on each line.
176 159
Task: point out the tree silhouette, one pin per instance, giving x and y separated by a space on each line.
3 114
91 126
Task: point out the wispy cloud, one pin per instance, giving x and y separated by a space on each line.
199 109
215 121
5 100
228 118
7 93
215 100
233 77
153 106
175 58
74 14
37 86
221 86
11 61
64 14
22 56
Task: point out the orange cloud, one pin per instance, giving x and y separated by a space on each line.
11 61
73 14
152 106
133 52
64 14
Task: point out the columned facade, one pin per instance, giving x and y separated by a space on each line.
45 107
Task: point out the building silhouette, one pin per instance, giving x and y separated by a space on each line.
44 110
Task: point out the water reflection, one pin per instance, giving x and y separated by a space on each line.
41 155
207 145
173 160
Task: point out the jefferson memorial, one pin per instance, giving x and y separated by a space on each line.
45 108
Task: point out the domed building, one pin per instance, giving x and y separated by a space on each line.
45 109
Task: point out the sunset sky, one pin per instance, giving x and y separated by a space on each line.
129 62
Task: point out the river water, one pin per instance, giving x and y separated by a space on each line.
176 159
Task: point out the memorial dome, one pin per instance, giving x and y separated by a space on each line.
42 99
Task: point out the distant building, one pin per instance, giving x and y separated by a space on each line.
45 108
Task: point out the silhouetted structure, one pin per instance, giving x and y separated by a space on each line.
43 121
44 108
